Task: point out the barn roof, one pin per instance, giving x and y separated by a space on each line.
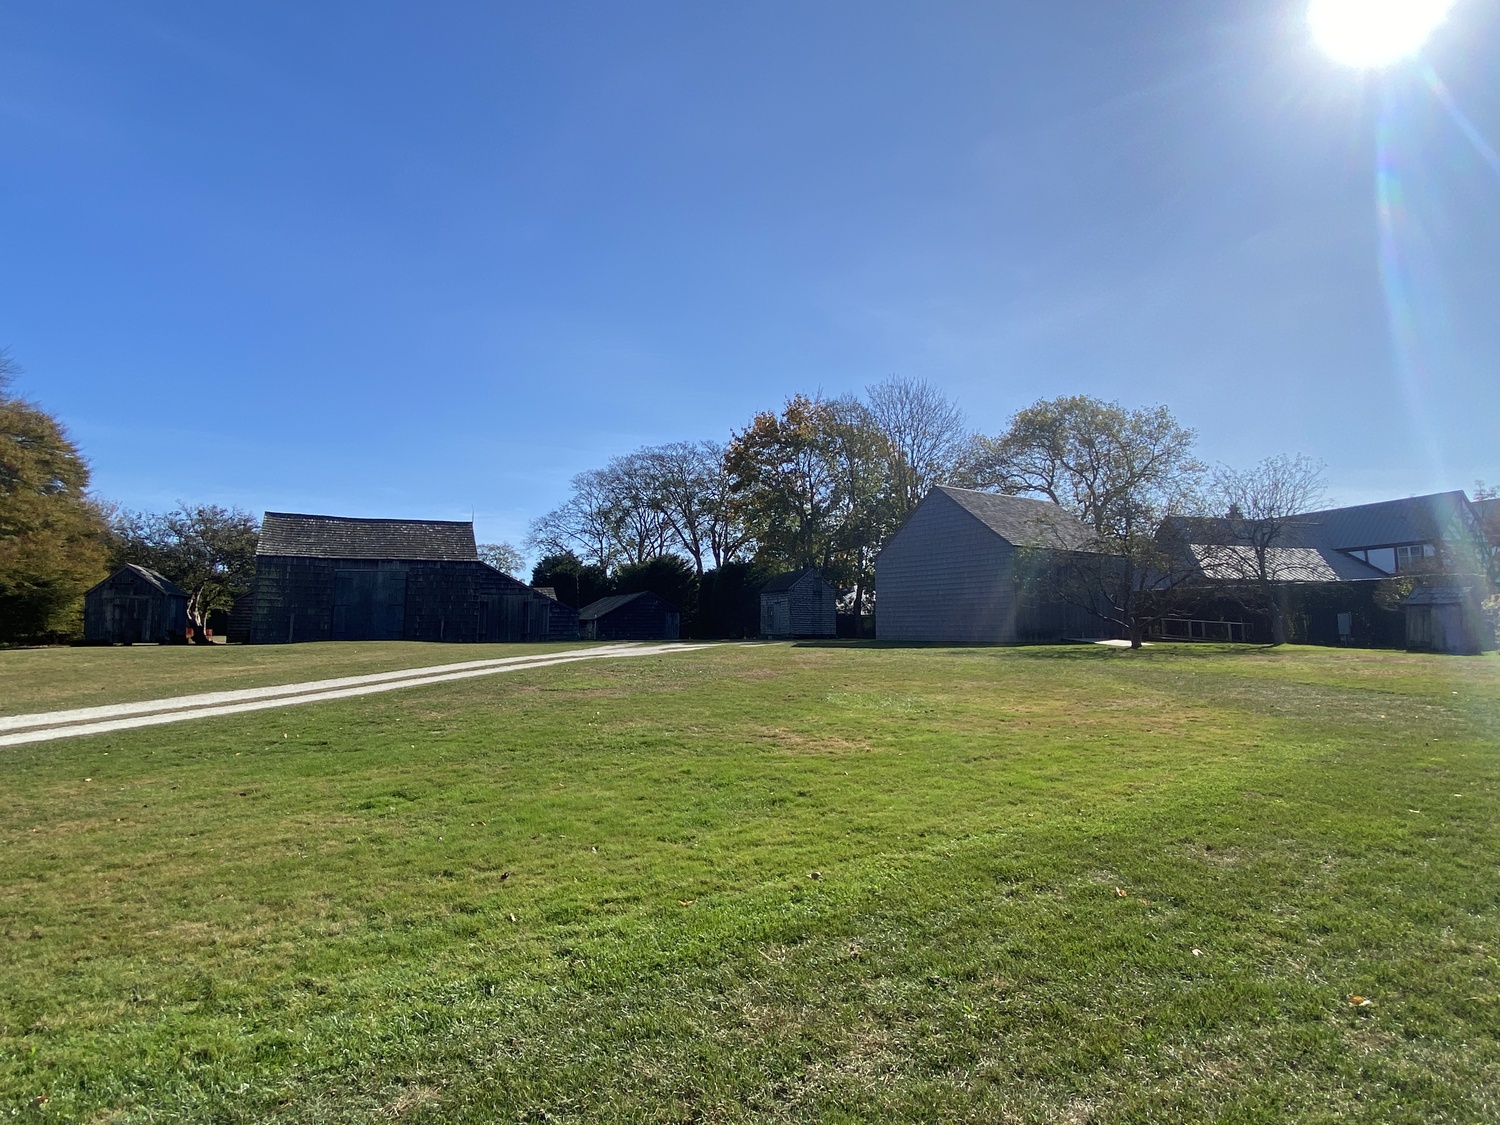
154 577
605 606
342 537
1237 562
783 582
1021 520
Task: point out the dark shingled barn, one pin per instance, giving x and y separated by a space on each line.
630 617
135 605
330 578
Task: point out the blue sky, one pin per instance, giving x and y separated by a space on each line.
428 259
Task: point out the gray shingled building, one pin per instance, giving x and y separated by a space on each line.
799 604
951 574
641 616
331 578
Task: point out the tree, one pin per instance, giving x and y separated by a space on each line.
869 477
669 578
1260 507
691 489
584 526
926 434
785 485
575 582
503 557
1121 472
206 549
52 534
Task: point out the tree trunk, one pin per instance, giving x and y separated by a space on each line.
1135 635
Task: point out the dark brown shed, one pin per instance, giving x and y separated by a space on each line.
135 605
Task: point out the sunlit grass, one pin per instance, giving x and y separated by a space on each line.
588 893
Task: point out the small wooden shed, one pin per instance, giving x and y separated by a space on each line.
799 604
135 605
630 617
1446 619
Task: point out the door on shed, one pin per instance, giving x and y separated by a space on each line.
369 605
129 618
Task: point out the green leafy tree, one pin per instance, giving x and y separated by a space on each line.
575 582
207 550
1121 472
52 534
668 577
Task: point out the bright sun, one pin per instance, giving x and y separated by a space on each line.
1371 33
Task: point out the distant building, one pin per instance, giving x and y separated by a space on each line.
135 605
331 578
799 604
950 575
1330 566
1446 619
630 617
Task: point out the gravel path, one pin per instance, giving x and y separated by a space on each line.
44 726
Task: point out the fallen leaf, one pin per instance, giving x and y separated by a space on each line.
1197 952
512 917
1120 893
1361 1001
686 901
814 874
504 875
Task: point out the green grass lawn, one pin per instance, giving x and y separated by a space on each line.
54 679
1053 885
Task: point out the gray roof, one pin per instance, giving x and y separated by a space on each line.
1232 562
1439 595
1437 517
154 577
1022 521
783 582
341 537
605 606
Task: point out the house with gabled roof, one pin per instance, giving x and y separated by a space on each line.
334 578
1329 565
642 616
800 603
956 572
135 605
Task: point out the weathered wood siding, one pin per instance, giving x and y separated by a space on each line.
315 599
647 618
808 609
127 609
945 577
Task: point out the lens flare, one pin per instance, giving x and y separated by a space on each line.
1373 33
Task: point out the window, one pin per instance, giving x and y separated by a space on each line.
1411 554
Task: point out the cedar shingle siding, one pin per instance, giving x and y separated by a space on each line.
326 578
134 605
630 617
948 576
799 604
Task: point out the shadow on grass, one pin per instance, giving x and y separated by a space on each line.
1065 650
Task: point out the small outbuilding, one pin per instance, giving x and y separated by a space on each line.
135 605
799 604
1446 619
630 617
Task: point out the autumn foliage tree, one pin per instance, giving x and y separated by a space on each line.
52 534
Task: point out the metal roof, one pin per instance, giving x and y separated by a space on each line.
783 582
342 537
1237 562
1439 595
1022 521
1437 517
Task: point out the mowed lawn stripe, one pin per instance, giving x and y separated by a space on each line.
592 898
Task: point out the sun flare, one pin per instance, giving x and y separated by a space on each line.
1373 33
